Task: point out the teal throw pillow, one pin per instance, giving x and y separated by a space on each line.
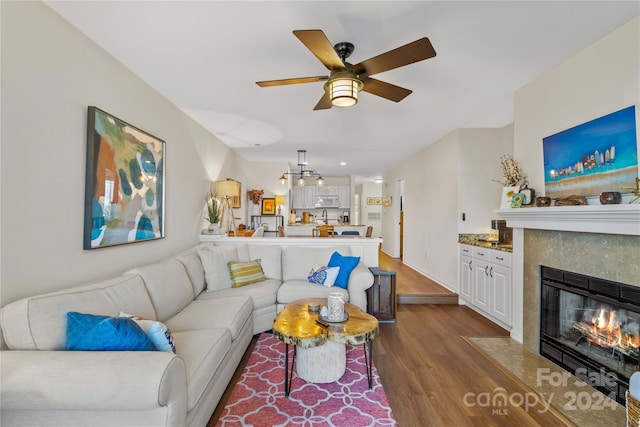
346 264
90 332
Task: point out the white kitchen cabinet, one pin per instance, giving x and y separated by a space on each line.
327 190
343 197
304 197
466 272
485 282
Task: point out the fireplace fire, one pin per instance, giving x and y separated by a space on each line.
591 325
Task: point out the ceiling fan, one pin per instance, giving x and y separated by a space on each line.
346 80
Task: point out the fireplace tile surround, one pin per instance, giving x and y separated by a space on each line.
607 256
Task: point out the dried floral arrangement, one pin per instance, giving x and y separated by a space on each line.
511 173
255 196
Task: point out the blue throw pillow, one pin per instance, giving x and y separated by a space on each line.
346 264
89 332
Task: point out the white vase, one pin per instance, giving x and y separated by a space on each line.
507 194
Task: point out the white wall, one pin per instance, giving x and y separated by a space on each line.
371 189
430 211
599 80
50 74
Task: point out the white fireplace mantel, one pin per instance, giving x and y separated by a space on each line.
607 219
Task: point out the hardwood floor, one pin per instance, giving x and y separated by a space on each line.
431 375
414 288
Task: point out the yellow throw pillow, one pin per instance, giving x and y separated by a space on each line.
244 273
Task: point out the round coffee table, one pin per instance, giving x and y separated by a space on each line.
322 348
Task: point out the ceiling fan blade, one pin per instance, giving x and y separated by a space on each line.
321 47
324 103
418 50
385 90
294 81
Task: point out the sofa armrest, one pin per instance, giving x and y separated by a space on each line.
360 280
82 380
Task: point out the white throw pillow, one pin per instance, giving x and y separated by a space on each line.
157 332
214 261
325 276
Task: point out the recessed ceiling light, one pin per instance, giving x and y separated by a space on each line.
343 163
378 180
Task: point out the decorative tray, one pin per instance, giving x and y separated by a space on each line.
326 319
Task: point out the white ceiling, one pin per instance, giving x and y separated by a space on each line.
206 56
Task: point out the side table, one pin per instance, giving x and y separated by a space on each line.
381 296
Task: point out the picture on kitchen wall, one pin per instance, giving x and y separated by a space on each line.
371 200
596 156
268 206
124 184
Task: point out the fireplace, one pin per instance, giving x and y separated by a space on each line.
591 327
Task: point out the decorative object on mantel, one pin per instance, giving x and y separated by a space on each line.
635 191
610 198
512 179
597 156
528 193
572 200
517 200
543 202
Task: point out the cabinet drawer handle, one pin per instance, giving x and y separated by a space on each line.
500 258
480 253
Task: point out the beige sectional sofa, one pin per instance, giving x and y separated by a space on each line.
45 385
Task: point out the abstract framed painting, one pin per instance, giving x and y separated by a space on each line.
597 156
124 184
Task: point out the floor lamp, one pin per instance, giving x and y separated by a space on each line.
226 190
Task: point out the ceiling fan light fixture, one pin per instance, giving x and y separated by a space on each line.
343 89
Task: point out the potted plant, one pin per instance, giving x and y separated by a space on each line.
214 213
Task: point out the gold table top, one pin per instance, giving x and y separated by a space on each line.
297 325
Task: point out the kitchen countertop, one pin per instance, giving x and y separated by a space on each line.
299 224
483 241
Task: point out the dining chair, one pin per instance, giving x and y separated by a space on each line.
280 231
350 233
324 231
369 231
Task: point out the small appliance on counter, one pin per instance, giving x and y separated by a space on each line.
505 234
345 217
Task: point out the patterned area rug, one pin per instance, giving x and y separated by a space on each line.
258 398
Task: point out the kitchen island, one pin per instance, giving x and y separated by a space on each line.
299 229
364 247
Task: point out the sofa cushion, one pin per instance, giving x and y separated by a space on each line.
270 258
39 322
297 261
263 294
191 262
245 273
202 351
231 313
214 262
346 264
293 290
89 332
168 285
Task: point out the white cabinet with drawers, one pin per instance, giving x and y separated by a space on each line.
485 282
